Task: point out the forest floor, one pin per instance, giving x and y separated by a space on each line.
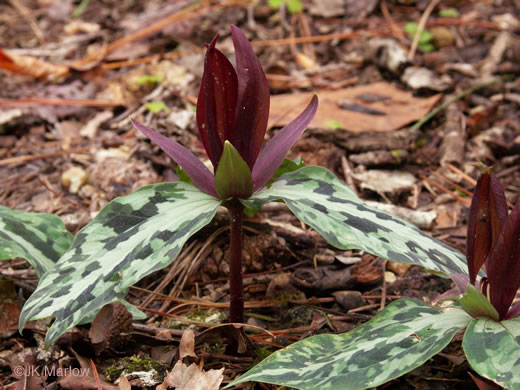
72 79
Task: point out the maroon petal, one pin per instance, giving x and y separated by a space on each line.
194 168
274 152
217 101
461 282
252 110
450 294
503 265
514 312
487 214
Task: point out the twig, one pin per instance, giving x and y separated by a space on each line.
178 318
459 188
470 179
465 176
383 291
362 308
347 172
56 193
203 302
465 201
26 14
461 95
420 27
96 375
396 30
154 329
318 38
37 101
22 159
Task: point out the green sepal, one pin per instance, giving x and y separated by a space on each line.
286 167
183 176
233 177
493 350
477 305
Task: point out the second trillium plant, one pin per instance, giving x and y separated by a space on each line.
140 233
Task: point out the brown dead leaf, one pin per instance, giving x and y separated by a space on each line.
31 66
373 107
82 378
9 314
111 328
187 344
79 382
124 384
193 377
9 310
25 368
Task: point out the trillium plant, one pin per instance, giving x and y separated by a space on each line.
407 333
140 233
232 116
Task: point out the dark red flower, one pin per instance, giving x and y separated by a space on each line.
493 240
233 106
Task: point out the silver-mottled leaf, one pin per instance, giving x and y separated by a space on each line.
400 338
318 198
39 238
131 237
493 350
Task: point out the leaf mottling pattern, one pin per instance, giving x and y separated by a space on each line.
493 350
319 199
130 238
398 339
39 238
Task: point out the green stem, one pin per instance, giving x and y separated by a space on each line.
236 304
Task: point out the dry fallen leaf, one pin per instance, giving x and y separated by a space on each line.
31 66
78 382
124 384
193 377
373 107
187 344
111 328
9 310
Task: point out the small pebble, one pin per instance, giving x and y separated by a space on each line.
390 277
349 299
73 179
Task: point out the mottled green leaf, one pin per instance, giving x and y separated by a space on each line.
286 167
131 237
493 350
400 338
39 238
318 198
134 311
